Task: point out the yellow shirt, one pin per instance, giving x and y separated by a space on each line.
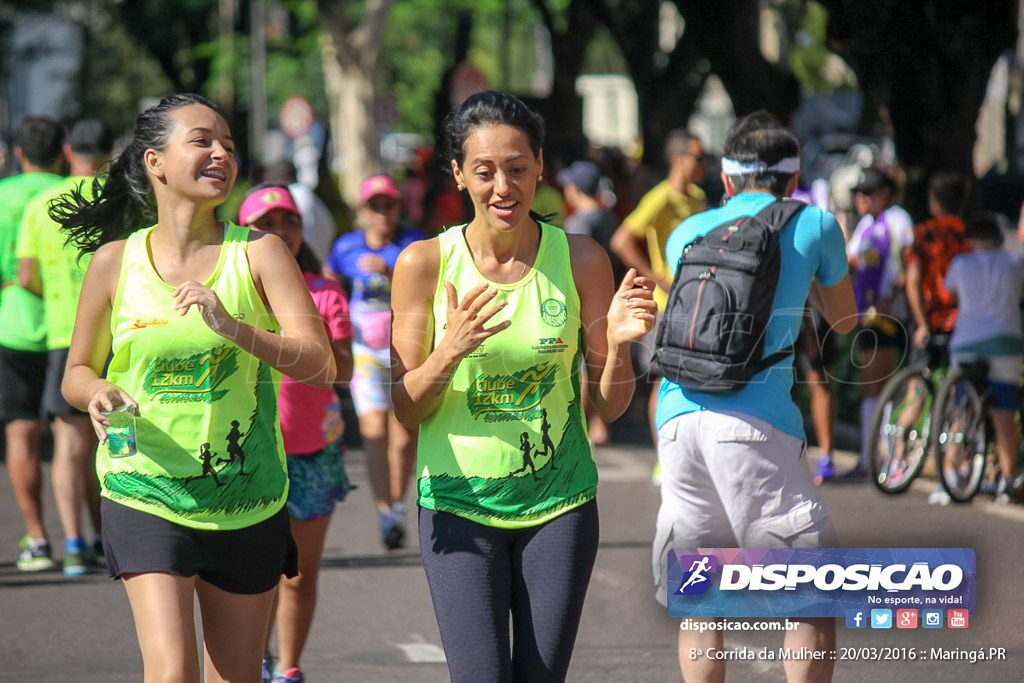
654 219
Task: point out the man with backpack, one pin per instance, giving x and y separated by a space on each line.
730 438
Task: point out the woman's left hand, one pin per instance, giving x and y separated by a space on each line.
632 311
371 263
214 314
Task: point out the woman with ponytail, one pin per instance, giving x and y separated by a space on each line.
198 317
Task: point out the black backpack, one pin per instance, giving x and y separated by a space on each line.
712 334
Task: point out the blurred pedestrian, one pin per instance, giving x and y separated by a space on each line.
581 182
365 259
51 269
986 285
875 253
311 426
39 150
318 227
640 241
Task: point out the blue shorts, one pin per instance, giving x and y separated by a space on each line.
316 482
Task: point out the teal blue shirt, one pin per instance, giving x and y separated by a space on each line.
813 248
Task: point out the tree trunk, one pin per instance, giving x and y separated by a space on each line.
728 33
349 57
353 138
564 108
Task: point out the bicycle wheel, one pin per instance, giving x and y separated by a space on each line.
960 438
899 429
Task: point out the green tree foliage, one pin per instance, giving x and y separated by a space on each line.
118 73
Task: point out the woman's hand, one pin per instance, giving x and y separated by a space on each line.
103 400
921 336
371 263
465 330
214 314
632 312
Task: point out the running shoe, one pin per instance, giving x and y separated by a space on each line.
34 558
76 562
97 558
1007 495
992 487
398 511
939 497
392 532
857 475
826 469
269 661
292 675
1008 498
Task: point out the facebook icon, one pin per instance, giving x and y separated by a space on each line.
855 618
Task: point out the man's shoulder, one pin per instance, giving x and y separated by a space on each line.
941 224
25 187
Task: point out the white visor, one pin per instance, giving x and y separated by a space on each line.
732 167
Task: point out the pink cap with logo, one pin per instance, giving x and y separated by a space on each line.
260 202
377 185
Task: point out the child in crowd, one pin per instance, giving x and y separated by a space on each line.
986 283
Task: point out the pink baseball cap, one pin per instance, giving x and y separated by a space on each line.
377 185
262 201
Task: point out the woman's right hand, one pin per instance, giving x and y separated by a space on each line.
465 329
104 399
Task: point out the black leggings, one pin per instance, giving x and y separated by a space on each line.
478 575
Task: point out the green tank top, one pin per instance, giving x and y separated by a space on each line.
210 453
60 268
507 447
21 311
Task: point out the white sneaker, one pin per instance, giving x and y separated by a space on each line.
939 497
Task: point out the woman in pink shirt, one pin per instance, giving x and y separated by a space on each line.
311 425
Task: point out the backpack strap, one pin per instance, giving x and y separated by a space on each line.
780 212
776 215
772 359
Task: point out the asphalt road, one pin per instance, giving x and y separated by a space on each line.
375 622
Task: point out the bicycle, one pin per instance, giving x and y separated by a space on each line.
964 432
901 424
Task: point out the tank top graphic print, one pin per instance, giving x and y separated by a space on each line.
210 452
508 445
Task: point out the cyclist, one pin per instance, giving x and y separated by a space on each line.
936 242
986 283
874 252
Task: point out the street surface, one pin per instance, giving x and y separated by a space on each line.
375 622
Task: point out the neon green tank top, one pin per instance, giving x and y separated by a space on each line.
508 445
210 453
20 310
60 269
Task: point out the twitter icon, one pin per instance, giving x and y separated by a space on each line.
881 618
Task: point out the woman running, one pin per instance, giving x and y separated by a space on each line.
198 316
365 259
492 321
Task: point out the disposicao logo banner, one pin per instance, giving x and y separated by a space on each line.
817 582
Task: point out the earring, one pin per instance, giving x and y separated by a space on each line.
461 187
540 178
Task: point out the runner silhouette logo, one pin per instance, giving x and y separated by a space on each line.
697 578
